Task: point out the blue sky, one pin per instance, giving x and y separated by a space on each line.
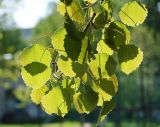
30 11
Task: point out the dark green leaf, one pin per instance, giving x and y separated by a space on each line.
35 68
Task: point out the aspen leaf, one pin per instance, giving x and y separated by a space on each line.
130 57
35 61
133 13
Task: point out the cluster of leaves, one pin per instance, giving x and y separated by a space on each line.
78 69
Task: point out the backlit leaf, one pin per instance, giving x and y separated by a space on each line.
35 61
37 94
107 89
85 101
58 40
100 66
57 102
65 65
133 13
102 47
74 10
130 57
108 106
116 34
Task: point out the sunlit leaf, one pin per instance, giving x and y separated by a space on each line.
90 1
74 10
100 66
65 65
57 101
61 8
116 34
130 57
108 106
37 94
106 4
133 13
102 47
107 88
35 61
58 40
85 101
67 2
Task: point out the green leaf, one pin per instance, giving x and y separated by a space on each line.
106 4
102 19
72 30
58 40
101 66
74 10
110 66
102 47
79 69
72 47
116 34
108 106
35 61
106 89
85 101
90 1
65 66
133 13
57 101
37 94
67 2
35 67
61 8
83 56
130 57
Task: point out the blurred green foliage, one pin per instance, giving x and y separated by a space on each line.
47 26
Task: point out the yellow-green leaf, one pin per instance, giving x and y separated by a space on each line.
99 66
133 13
35 61
107 89
108 106
65 66
116 34
57 101
58 40
37 94
85 101
74 10
102 47
130 57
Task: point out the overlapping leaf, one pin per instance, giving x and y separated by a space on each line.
65 66
37 94
58 40
85 101
99 66
102 47
130 57
73 9
57 101
35 61
116 34
108 106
